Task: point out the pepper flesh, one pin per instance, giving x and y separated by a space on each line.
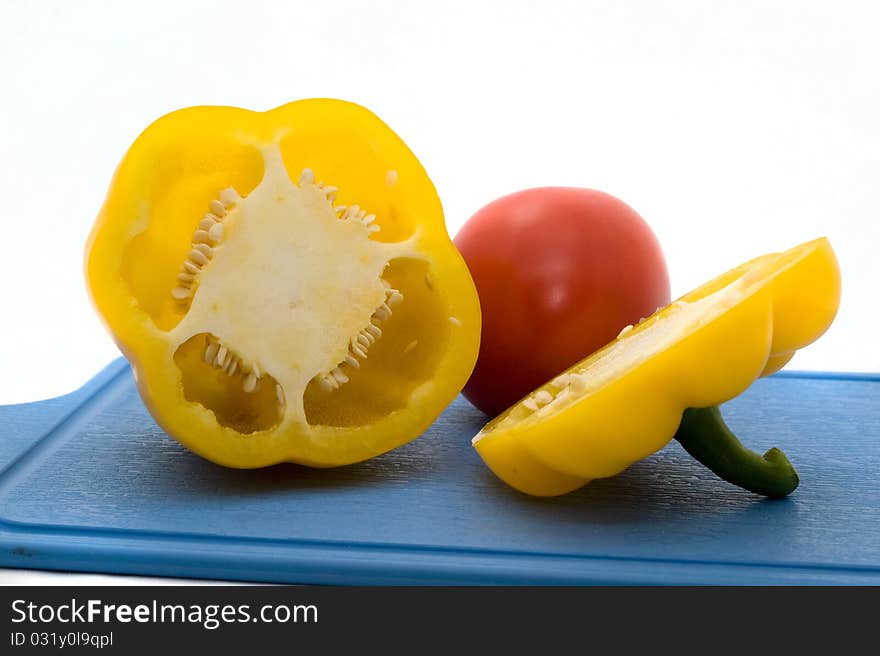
271 337
626 401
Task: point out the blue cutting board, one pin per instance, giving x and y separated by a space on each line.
88 482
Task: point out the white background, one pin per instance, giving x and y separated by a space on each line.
734 128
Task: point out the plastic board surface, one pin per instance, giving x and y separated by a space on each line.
88 482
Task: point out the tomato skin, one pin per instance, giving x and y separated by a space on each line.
559 272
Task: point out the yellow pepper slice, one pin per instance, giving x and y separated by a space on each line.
626 401
283 284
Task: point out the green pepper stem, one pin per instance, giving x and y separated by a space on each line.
705 436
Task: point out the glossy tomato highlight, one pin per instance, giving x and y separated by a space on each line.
559 272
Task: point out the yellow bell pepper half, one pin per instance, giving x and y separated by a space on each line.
283 284
628 399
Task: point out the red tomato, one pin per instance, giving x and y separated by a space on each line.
559 271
